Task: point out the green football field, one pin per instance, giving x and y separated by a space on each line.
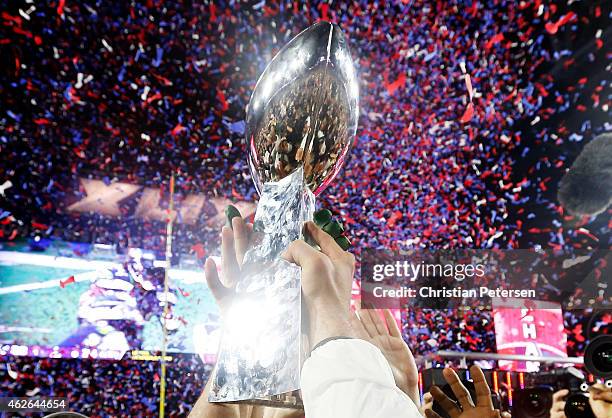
36 315
36 310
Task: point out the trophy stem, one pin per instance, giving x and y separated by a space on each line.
261 354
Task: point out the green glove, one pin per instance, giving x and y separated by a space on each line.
343 242
230 213
333 228
323 219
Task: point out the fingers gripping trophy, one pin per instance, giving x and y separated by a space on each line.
301 122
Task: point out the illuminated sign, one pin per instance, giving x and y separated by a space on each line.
535 331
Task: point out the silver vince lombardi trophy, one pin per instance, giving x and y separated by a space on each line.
301 121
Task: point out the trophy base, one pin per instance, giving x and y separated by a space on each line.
289 400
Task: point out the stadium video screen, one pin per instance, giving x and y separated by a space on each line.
104 296
58 304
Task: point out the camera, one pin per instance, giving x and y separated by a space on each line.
535 400
577 405
532 402
598 356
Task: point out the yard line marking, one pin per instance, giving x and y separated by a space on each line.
6 328
13 258
82 277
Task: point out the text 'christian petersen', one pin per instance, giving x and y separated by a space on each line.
454 292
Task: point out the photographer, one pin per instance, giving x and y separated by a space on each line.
600 400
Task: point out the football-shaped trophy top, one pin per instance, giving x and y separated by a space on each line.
304 110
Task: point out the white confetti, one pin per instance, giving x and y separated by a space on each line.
6 185
106 45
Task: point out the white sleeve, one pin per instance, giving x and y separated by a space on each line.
350 378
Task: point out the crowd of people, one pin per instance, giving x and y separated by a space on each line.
429 330
101 388
470 114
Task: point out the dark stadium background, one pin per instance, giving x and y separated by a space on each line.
52 134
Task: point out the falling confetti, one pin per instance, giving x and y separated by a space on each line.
64 283
137 91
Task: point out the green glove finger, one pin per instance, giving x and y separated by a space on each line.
321 217
343 242
324 219
230 213
333 228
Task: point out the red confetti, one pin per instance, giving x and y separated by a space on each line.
325 12
468 114
199 250
14 19
586 232
213 12
400 82
60 7
396 216
553 27
69 280
177 129
494 40
222 99
37 225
